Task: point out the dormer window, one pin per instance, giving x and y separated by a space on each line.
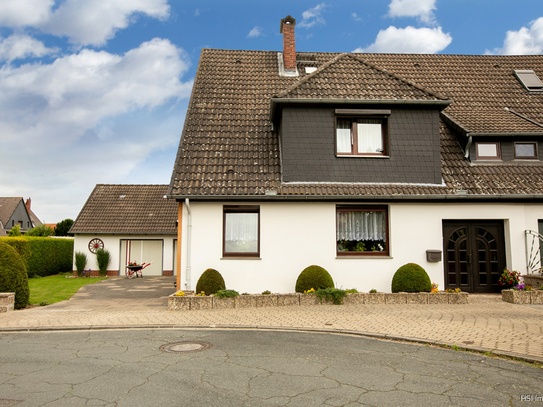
526 150
360 136
488 151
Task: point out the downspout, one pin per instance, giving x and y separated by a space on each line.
466 153
189 230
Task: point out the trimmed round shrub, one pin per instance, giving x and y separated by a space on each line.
210 282
313 277
13 277
411 278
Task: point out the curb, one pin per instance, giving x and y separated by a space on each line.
371 335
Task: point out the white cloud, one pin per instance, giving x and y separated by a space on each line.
43 107
22 46
421 9
313 16
82 21
355 17
526 41
20 13
255 32
409 40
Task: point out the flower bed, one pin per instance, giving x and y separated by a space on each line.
190 302
523 297
533 280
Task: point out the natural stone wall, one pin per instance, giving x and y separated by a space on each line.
7 302
191 302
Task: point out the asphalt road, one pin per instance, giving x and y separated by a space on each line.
250 368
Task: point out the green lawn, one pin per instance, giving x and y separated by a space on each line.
47 290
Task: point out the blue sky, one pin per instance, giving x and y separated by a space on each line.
96 91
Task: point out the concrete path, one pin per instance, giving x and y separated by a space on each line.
250 368
485 324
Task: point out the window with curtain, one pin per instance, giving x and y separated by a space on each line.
362 230
360 136
241 230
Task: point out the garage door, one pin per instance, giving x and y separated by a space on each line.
143 251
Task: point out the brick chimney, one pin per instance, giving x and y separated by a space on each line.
27 204
289 44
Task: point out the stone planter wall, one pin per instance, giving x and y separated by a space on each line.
533 280
191 302
7 302
523 297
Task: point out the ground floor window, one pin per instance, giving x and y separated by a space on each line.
362 230
241 231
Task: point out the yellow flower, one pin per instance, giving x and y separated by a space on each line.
180 294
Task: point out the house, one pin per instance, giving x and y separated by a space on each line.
15 211
359 163
134 223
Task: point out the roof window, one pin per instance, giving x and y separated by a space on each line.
529 80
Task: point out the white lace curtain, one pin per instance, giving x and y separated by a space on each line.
370 136
241 232
343 136
361 225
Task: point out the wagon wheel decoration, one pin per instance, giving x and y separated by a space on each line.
96 244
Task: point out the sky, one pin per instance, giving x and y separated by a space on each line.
96 91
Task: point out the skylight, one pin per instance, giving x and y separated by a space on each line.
530 80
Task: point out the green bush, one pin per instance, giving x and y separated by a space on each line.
80 262
13 277
41 231
50 256
103 258
210 282
411 278
15 231
226 294
334 295
21 246
62 228
313 277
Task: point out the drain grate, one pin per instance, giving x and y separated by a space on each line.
185 347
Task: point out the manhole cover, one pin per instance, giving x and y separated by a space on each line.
185 347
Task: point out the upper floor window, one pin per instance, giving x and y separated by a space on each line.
488 151
526 150
241 231
360 136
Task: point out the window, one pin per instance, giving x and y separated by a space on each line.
488 151
362 230
526 150
529 79
360 136
241 231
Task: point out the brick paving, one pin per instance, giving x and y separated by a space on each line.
485 324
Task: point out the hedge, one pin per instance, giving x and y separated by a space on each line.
45 255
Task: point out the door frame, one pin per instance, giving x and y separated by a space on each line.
471 261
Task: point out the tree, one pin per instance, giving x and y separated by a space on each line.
63 227
15 231
41 230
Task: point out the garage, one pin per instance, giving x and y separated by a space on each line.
143 251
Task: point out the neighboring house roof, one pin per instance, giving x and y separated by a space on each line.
129 209
229 149
7 207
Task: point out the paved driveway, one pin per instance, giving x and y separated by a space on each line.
121 294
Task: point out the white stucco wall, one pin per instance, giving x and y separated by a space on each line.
294 235
113 244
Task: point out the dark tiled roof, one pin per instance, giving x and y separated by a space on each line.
128 209
228 147
7 207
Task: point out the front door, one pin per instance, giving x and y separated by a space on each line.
474 255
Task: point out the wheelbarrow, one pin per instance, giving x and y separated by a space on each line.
136 270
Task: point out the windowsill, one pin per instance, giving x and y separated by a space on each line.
365 257
240 258
362 156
